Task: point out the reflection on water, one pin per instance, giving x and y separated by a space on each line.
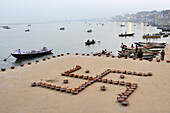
129 27
147 30
141 28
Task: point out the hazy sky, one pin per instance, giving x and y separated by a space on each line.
12 11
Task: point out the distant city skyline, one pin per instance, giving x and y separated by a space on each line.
19 11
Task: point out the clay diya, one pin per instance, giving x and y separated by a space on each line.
118 71
63 89
33 84
134 58
128 84
12 67
76 54
58 55
103 88
53 87
83 54
150 74
62 54
124 72
140 74
74 92
43 59
120 99
21 65
99 80
68 90
43 85
86 77
119 56
87 71
3 69
57 88
140 59
39 83
54 56
62 74
134 73
168 61
71 75
104 80
116 82
37 61
81 76
122 83
125 102
110 81
107 55
76 76
48 86
123 96
122 76
65 81
48 58
158 60
29 63
145 74
68 53
129 72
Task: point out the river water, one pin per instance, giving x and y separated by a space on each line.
71 40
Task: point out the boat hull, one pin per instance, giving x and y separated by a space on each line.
124 35
30 55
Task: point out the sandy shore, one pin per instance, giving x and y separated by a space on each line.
151 96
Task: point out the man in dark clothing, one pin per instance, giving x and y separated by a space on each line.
140 54
162 55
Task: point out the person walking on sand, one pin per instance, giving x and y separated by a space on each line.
162 55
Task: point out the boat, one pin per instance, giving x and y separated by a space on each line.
62 28
27 30
151 44
89 31
126 34
6 27
90 42
152 36
122 25
31 54
165 35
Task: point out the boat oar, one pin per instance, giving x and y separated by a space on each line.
9 56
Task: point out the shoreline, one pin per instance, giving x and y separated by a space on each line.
152 94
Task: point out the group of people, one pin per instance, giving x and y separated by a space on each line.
139 53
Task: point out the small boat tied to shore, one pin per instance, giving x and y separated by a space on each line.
32 53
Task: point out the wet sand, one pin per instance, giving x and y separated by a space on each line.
151 96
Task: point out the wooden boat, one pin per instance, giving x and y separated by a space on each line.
126 34
165 35
62 28
6 27
90 42
122 25
152 36
27 30
89 31
25 55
